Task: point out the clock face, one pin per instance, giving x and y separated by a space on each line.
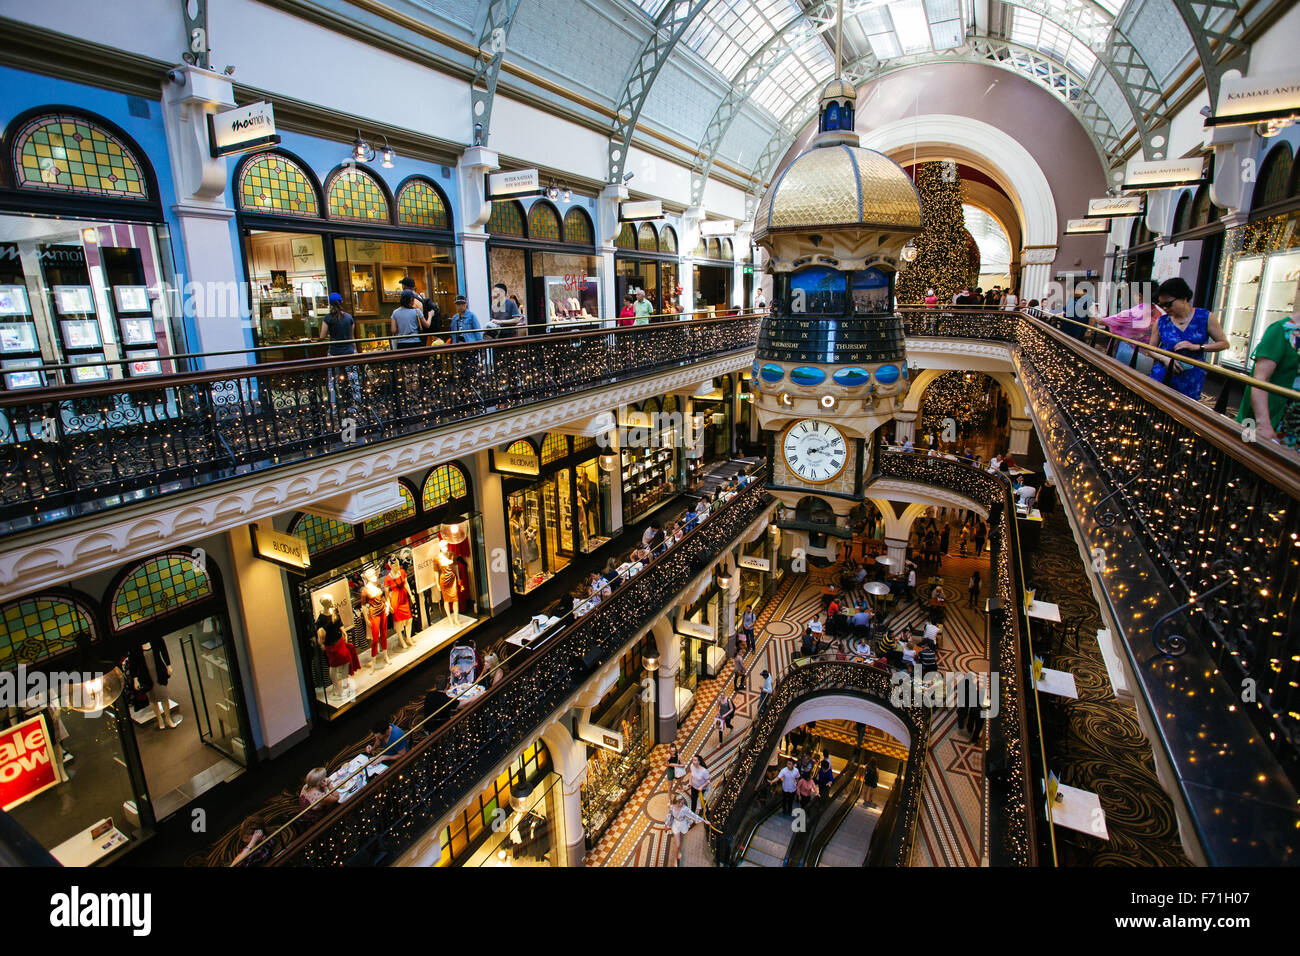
815 451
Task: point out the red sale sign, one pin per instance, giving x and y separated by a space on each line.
26 762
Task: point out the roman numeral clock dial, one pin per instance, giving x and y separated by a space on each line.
815 451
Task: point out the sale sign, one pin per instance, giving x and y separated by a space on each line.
26 762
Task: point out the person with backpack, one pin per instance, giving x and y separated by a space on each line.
726 713
337 327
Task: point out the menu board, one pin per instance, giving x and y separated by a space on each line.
13 300
17 337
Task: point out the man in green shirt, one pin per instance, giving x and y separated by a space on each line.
1277 360
642 308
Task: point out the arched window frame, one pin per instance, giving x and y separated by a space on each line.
668 240
518 208
539 208
317 193
358 169
576 215
184 610
426 506
82 642
1275 173
411 181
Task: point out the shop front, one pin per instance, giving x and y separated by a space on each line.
759 568
1262 259
353 235
516 821
650 459
619 735
547 261
557 502
645 257
139 709
714 266
86 269
702 656
382 596
716 409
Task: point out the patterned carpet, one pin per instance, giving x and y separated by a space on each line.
949 833
1106 751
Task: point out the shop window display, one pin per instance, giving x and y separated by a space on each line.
612 775
528 828
370 274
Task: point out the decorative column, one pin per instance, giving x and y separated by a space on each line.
730 598
897 552
203 215
1020 429
492 506
607 230
610 446
904 427
569 758
670 661
476 209
688 240
1036 271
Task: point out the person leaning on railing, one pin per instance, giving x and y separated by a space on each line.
1183 328
1277 360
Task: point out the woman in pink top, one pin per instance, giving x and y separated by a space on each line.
1133 324
931 300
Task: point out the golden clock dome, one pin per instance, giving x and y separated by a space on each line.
839 185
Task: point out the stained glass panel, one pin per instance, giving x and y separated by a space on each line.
70 154
443 484
158 586
626 237
418 204
355 195
38 629
507 218
393 517
322 534
582 442
554 448
271 183
647 238
577 228
667 239
543 222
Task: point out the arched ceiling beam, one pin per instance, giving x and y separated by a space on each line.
491 51
668 28
1065 84
1233 51
817 19
1089 23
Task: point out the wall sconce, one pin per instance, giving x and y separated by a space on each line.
95 694
363 152
650 661
90 234
607 462
387 161
724 581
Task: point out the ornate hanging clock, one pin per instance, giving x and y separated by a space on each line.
817 452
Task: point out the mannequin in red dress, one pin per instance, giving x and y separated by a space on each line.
398 591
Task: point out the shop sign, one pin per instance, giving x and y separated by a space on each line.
243 129
1253 99
755 564
1113 207
701 632
424 557
1163 173
517 182
517 462
718 227
287 550
1080 227
600 736
26 762
637 210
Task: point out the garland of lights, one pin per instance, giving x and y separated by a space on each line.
961 396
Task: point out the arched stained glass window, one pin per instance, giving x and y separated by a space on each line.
726 250
670 403
38 629
667 239
1274 176
507 218
158 586
544 222
577 228
647 238
322 534
443 484
521 447
702 250
407 510
626 237
272 183
555 447
582 442
356 196
715 250
73 155
419 204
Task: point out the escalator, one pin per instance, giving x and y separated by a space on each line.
769 840
849 841
826 813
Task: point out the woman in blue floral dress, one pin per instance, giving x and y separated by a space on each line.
1183 329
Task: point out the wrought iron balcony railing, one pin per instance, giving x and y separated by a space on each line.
81 449
730 804
443 768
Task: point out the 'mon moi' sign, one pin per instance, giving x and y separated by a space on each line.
26 762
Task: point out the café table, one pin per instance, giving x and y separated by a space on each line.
1044 611
1060 683
1079 810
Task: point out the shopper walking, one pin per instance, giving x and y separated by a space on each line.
974 589
981 533
699 772
680 821
506 317
643 308
766 692
747 622
726 712
870 780
676 769
806 789
337 327
789 778
741 684
1183 329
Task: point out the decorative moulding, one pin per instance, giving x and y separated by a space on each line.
894 489
360 504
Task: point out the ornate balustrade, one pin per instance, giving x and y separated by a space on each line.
398 806
738 789
81 449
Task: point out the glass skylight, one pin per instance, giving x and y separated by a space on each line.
728 32
1032 30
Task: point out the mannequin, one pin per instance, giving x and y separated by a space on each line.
582 522
339 652
398 591
517 546
151 667
449 584
376 617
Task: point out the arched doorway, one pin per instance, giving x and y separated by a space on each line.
964 410
167 616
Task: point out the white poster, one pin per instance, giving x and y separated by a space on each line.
342 596
425 559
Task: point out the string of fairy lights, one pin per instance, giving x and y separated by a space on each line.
151 433
402 804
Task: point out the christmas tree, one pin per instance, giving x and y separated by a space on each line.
943 261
